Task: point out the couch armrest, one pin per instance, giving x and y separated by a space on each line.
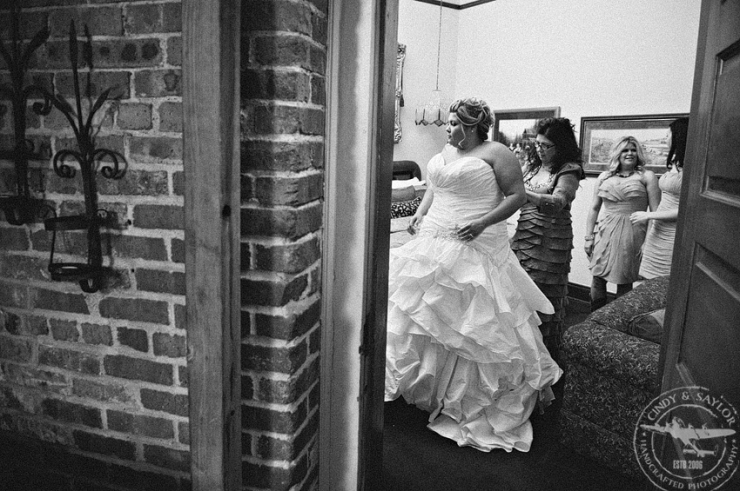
631 359
650 295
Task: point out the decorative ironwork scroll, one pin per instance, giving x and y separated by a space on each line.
89 159
21 208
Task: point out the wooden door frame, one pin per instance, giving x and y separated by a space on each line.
372 377
358 174
211 57
678 294
361 72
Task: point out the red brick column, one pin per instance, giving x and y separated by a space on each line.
283 98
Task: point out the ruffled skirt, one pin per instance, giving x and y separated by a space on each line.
463 342
543 245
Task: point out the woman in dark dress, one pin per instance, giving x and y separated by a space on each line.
544 234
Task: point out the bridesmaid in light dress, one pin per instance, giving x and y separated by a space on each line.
657 252
615 246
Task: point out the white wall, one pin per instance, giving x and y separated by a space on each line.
595 57
418 30
590 57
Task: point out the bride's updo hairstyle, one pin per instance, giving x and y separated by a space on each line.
474 112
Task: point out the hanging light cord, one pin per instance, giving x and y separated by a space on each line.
439 40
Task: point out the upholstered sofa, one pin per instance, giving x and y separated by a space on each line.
406 196
611 374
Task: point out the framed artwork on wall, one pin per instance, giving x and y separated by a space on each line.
514 126
598 134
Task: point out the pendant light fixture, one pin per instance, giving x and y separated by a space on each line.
435 111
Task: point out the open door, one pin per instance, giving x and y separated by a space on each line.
372 350
702 342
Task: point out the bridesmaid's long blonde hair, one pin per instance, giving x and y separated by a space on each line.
617 150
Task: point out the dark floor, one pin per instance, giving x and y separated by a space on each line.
416 459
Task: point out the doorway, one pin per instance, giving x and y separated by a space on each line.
360 95
576 99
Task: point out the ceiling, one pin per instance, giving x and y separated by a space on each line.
457 4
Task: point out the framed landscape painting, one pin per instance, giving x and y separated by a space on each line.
598 133
514 126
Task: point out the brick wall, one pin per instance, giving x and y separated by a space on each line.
93 387
283 111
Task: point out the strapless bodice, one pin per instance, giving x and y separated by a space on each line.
464 189
623 196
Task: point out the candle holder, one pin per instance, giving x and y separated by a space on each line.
89 159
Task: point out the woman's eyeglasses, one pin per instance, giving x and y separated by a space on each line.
543 145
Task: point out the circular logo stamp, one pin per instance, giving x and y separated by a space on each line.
687 439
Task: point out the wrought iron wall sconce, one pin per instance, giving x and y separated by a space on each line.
90 159
21 208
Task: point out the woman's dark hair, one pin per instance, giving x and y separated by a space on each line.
560 132
679 132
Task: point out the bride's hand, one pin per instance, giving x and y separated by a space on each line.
414 224
470 231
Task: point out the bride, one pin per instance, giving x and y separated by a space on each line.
463 341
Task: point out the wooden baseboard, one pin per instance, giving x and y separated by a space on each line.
582 293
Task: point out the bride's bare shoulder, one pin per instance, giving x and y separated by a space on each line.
496 153
497 147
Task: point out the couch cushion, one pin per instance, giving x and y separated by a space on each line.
613 354
611 402
648 326
648 296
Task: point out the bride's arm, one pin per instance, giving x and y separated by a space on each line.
426 201
422 210
509 177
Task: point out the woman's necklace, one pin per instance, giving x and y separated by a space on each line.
620 174
540 183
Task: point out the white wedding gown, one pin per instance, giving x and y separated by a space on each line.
463 342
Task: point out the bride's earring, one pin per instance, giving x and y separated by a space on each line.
460 143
